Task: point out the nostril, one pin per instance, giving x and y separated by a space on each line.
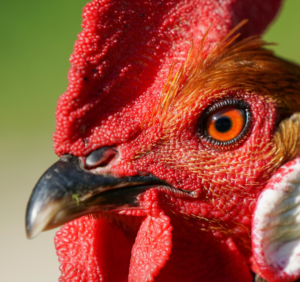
100 157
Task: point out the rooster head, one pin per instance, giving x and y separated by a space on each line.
178 142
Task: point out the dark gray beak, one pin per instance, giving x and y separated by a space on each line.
67 191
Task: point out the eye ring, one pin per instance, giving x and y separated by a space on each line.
230 104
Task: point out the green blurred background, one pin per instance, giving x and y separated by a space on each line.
36 40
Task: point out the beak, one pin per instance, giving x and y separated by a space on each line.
67 191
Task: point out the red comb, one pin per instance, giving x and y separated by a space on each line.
122 57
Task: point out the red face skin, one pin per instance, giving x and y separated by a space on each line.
119 67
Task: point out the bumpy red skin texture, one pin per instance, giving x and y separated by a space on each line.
119 66
225 198
152 248
90 250
203 251
97 250
122 57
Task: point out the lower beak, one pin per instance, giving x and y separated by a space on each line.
66 191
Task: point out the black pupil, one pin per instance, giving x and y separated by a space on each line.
223 124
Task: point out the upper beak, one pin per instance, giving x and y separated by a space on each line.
67 191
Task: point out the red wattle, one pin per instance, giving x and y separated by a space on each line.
152 248
93 250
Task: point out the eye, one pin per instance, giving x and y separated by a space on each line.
226 123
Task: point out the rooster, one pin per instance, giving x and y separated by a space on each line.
179 147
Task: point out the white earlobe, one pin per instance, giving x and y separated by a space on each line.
276 225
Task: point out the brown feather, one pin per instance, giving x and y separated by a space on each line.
259 279
245 65
239 66
287 140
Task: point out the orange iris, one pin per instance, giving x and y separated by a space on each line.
226 124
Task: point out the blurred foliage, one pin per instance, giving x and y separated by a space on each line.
285 32
37 39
